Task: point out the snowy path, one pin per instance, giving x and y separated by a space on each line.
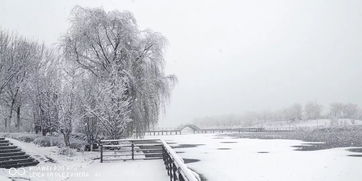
83 167
228 159
139 170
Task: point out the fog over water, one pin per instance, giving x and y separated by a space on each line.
232 56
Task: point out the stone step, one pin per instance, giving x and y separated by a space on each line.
7 147
4 141
9 150
14 161
12 153
5 144
156 155
30 162
12 157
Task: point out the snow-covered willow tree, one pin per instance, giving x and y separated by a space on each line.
113 105
126 61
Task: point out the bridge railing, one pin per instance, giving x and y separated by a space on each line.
175 166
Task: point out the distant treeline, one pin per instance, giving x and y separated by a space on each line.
294 113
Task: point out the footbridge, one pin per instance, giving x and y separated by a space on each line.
197 130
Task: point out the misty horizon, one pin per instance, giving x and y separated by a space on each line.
232 57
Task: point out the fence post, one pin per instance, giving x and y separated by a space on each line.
174 169
101 153
132 150
170 169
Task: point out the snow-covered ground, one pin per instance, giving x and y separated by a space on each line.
228 159
221 158
81 167
138 170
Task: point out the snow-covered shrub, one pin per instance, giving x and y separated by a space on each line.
48 141
79 136
26 137
66 151
77 144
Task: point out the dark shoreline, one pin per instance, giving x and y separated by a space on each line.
319 139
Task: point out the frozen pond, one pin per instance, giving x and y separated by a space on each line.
228 159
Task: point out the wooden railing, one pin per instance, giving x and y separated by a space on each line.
132 149
175 166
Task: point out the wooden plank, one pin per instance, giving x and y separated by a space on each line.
149 149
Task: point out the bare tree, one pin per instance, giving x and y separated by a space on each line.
17 57
7 69
312 110
89 124
68 107
44 88
336 110
293 113
340 110
350 111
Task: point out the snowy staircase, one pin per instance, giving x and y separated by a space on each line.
152 149
12 156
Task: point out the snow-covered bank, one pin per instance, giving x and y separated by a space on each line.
82 166
229 159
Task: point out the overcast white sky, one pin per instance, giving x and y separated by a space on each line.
232 56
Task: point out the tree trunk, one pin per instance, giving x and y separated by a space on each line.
66 135
8 124
44 131
18 118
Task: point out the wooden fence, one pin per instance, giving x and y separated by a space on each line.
132 149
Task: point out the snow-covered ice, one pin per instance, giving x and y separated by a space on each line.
317 123
228 159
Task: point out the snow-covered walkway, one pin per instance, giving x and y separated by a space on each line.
138 170
82 167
